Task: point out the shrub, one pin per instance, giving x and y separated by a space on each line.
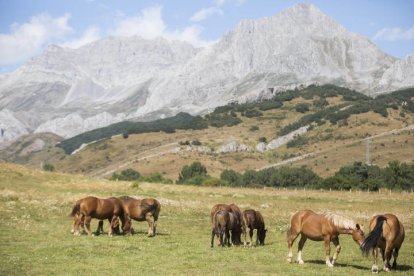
302 107
250 113
48 167
155 178
196 143
126 175
192 174
262 139
299 140
125 135
254 128
231 177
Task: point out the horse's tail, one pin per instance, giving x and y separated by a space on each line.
75 209
157 207
372 239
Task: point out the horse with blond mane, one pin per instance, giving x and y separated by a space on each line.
321 227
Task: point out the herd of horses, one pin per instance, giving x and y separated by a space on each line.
229 223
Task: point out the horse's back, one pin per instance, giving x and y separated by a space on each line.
393 229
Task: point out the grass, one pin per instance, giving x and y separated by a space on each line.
35 234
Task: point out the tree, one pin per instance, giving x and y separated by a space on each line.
196 169
231 177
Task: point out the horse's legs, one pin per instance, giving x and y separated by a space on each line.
302 241
394 264
337 249
87 225
76 223
291 238
328 251
99 230
228 237
374 268
388 253
251 236
213 233
221 236
150 219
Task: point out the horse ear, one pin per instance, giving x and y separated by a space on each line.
358 227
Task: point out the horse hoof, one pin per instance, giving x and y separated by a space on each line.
386 269
301 262
374 269
330 265
289 260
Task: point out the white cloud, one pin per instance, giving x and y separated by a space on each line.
91 34
27 39
220 3
148 24
393 34
205 13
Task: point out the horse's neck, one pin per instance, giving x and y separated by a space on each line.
344 230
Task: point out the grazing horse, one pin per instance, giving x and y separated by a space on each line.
253 220
140 209
92 207
387 234
238 227
223 222
321 228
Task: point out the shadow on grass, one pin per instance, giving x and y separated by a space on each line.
404 267
321 262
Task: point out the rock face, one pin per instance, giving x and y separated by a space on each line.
69 91
233 146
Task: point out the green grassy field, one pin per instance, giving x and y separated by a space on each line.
35 236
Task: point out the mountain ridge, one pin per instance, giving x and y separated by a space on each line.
67 91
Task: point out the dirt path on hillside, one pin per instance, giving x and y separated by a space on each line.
311 154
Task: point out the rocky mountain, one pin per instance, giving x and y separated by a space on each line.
69 91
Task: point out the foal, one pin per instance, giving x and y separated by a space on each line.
387 234
253 220
223 222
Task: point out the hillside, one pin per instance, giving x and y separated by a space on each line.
36 236
341 121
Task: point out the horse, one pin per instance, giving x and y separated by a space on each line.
253 220
99 229
92 207
223 222
140 209
387 234
239 226
325 228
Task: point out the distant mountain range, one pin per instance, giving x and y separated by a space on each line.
70 91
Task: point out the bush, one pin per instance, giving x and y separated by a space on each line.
254 128
125 135
155 178
302 107
262 139
298 141
196 143
126 175
231 177
250 113
193 174
48 167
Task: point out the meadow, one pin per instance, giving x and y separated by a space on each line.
35 226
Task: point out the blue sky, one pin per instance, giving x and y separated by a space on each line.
28 27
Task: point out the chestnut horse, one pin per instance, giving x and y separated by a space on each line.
223 222
92 207
238 229
253 220
321 228
140 209
387 234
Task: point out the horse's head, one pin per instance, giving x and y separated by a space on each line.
358 234
126 228
262 235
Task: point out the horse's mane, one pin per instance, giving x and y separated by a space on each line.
125 197
341 221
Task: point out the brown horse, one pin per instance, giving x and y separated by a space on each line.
253 220
321 228
92 207
387 234
223 222
239 226
140 209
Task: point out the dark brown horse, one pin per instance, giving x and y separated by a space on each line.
223 223
238 229
387 234
140 209
325 228
253 220
92 207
